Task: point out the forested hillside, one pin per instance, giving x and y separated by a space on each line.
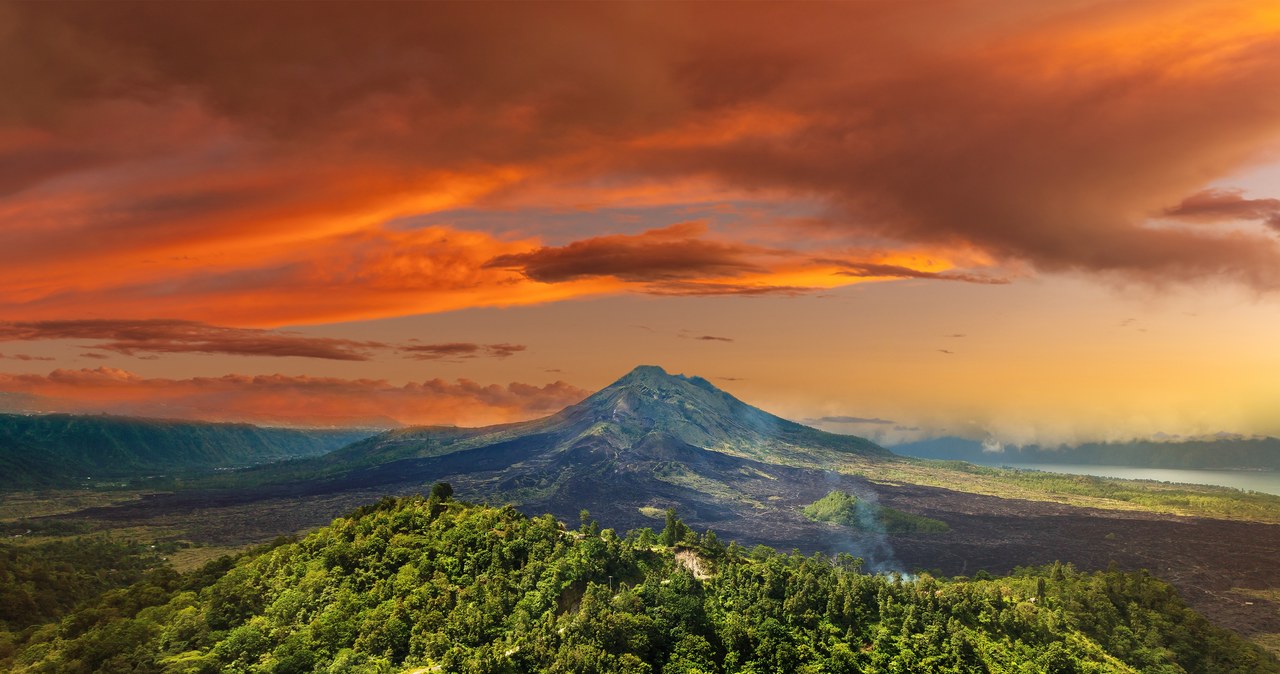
63 449
439 585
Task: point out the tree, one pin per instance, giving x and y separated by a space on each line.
586 525
442 491
674 531
712 546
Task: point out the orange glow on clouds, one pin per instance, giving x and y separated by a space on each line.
216 199
279 399
335 164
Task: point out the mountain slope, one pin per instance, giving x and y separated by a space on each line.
645 406
649 441
62 449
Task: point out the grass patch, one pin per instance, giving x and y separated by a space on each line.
1269 641
845 509
16 505
674 472
192 558
1182 499
652 512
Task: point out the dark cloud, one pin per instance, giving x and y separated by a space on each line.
688 334
460 350
875 270
1220 205
715 289
731 378
658 255
23 356
95 356
133 337
850 420
947 351
144 339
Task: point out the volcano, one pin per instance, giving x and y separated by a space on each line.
644 410
648 442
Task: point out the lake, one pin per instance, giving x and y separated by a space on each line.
1249 480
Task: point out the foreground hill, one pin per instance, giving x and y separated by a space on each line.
435 585
65 449
1210 454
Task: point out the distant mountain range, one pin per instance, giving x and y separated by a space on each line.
65 449
1208 454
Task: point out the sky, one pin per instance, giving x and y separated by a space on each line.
1033 222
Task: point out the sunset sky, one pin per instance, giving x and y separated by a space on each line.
1028 221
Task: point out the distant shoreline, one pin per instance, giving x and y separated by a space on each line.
1247 479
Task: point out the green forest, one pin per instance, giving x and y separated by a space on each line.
426 584
75 450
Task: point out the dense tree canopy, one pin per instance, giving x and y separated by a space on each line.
41 450
443 585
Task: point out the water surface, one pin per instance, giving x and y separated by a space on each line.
1248 480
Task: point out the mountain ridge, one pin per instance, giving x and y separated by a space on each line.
64 449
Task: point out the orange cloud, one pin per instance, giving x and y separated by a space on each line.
682 260
1210 206
130 337
146 338
151 167
25 357
890 271
349 277
279 399
675 252
460 350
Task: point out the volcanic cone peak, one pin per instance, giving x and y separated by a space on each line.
691 409
644 410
